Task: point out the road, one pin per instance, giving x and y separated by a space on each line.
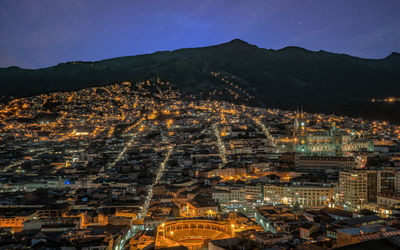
142 213
122 153
220 143
267 133
127 145
20 162
144 209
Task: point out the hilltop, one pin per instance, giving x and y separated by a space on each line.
321 81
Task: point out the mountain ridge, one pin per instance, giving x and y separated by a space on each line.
284 78
233 41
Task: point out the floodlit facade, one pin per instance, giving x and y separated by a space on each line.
304 196
354 191
332 142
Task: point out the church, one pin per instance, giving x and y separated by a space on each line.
333 142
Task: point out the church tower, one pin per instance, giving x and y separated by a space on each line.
300 132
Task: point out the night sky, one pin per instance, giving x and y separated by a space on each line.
41 33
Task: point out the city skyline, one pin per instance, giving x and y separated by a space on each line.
256 125
146 165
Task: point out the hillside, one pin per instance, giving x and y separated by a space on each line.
285 78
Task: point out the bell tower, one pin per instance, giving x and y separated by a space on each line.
300 132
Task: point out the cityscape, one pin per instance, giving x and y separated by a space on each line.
194 125
130 165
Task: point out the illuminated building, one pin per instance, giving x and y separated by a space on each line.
361 186
192 233
309 196
15 217
273 194
304 196
388 199
354 189
227 173
224 197
253 193
332 142
195 233
200 208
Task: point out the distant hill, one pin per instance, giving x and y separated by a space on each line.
321 81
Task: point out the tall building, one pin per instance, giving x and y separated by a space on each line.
300 132
354 191
360 186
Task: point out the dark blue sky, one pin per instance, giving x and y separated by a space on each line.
40 33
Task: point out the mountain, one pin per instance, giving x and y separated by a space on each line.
284 78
